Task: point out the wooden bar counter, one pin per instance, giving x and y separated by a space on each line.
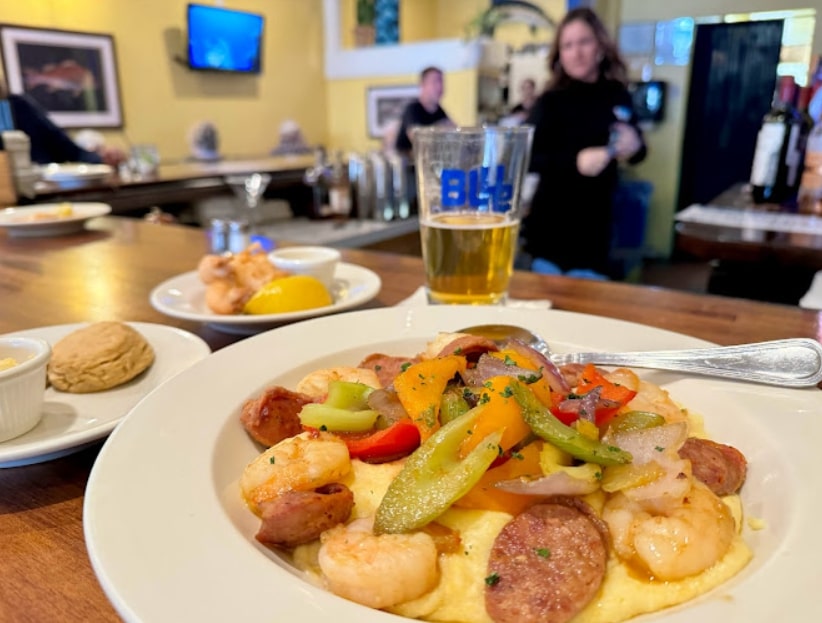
107 272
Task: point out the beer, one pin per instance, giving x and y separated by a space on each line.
468 256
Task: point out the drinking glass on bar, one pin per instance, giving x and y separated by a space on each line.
469 182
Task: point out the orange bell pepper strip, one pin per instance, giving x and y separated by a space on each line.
420 387
540 387
500 411
618 394
485 496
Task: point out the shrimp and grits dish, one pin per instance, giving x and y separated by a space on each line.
478 482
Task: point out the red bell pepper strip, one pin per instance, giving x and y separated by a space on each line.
399 439
617 394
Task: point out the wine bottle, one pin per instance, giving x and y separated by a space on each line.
775 170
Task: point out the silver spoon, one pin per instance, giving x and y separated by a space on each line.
795 362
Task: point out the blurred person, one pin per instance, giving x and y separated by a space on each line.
426 110
292 141
49 142
528 97
584 126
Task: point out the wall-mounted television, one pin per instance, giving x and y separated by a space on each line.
222 39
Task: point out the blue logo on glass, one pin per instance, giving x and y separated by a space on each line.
474 188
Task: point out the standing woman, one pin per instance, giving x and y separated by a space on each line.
578 141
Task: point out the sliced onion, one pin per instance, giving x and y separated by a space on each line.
557 483
549 369
489 366
648 443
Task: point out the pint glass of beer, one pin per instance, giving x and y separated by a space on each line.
468 186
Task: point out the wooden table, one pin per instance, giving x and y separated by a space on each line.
108 271
761 264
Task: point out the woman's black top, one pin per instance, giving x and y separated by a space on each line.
570 219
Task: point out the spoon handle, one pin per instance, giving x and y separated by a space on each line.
793 362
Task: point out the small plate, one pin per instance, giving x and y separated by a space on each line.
183 297
74 174
72 421
43 220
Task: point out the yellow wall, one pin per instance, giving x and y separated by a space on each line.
162 99
347 125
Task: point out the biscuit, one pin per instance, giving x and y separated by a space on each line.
98 357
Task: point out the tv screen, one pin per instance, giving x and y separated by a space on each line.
223 39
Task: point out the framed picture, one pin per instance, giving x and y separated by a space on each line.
73 75
386 104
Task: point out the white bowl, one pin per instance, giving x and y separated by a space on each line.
319 262
22 386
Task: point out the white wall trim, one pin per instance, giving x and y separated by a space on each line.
391 60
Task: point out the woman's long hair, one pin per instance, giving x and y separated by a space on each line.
611 66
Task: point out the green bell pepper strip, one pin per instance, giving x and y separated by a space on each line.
452 405
348 395
326 417
434 477
635 420
547 426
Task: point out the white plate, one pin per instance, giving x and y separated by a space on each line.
72 421
183 297
74 174
170 472
23 220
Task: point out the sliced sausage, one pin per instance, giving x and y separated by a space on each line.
386 367
299 517
274 415
721 467
546 564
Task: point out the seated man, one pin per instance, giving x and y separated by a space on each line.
425 111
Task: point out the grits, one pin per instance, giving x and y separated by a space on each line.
459 597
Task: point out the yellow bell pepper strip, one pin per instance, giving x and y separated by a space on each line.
434 477
420 387
500 412
544 424
485 496
536 383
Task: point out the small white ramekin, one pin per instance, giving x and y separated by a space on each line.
22 386
319 262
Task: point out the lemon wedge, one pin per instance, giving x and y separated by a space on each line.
287 294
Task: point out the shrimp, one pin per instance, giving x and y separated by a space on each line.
687 539
231 280
301 463
653 398
316 383
377 571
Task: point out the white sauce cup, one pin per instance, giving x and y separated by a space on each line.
319 262
22 387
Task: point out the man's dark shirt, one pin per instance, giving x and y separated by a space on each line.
49 143
414 115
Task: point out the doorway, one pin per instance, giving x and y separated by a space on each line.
733 77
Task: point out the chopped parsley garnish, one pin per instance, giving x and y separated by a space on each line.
405 366
467 393
272 459
488 384
323 427
377 368
493 579
659 448
458 350
543 552
484 398
531 378
507 392
598 475
508 361
518 456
